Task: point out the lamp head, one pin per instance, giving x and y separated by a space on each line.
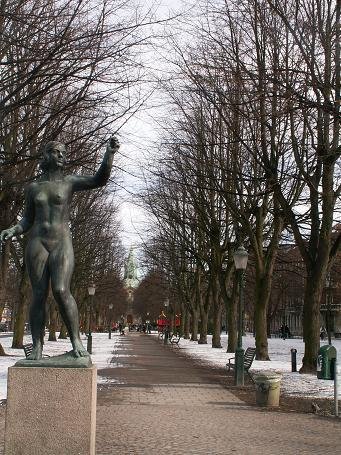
240 257
91 289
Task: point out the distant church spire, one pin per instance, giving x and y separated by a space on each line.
130 283
130 271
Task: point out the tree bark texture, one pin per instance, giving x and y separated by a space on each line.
232 319
194 325
21 314
261 306
181 328
187 325
216 338
217 311
311 322
203 326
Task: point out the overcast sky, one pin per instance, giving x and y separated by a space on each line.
139 137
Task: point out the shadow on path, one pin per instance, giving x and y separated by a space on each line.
159 401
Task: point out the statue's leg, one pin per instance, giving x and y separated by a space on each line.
37 267
61 262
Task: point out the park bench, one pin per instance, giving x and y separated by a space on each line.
249 355
174 339
28 348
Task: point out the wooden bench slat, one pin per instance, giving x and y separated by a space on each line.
28 348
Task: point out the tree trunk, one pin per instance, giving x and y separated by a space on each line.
311 321
187 325
194 325
181 328
261 306
268 323
21 314
217 311
232 319
53 322
216 338
4 258
203 326
63 332
204 305
83 319
230 301
261 334
171 319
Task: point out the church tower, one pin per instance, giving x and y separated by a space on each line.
130 283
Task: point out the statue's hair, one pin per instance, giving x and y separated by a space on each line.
44 164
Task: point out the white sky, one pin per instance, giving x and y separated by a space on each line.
140 135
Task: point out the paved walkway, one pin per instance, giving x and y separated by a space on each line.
161 402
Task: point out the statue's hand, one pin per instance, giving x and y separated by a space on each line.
7 234
113 145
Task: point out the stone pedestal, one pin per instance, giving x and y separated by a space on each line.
51 411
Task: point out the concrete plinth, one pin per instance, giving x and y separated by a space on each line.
51 411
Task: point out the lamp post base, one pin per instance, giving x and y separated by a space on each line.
89 344
239 367
165 340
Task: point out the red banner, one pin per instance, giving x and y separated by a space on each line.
162 322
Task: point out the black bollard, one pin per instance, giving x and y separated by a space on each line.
89 344
293 360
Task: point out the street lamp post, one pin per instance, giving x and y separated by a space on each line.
91 291
224 268
328 312
240 257
147 323
165 339
110 318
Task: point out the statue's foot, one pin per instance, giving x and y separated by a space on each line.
78 349
36 354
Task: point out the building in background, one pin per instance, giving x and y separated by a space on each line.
287 294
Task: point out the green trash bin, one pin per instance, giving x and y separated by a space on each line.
326 359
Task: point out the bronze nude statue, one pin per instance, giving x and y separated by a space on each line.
49 252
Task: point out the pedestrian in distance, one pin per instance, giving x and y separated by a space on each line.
287 332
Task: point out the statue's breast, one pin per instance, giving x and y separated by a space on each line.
52 194
41 198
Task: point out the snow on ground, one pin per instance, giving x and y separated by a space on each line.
295 384
104 350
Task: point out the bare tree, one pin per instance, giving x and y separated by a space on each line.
68 70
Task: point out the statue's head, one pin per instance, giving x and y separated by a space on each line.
53 156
